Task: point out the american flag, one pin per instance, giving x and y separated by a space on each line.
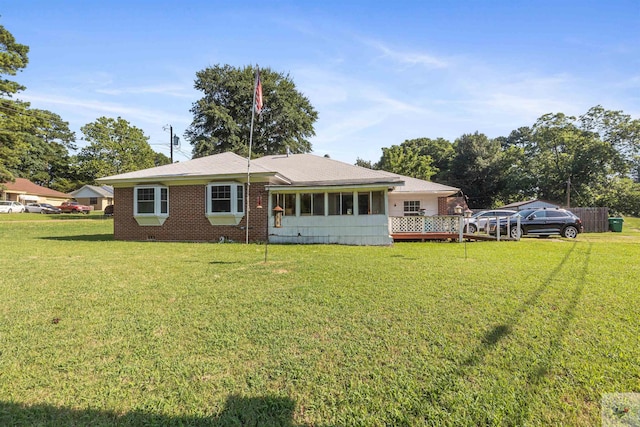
258 93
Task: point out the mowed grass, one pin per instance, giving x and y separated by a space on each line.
100 332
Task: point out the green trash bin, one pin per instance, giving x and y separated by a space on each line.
615 224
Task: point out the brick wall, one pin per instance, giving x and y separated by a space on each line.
442 206
187 220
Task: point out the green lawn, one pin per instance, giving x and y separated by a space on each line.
99 332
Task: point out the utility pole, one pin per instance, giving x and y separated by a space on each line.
568 192
171 141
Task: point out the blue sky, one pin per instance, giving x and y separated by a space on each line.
378 73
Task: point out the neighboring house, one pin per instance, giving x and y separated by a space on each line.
94 196
529 204
25 191
299 198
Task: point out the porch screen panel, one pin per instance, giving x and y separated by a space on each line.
334 203
318 204
276 200
306 204
347 203
289 204
377 203
364 206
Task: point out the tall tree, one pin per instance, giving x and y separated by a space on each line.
439 150
364 163
115 147
516 181
566 153
222 117
46 157
13 116
405 159
619 131
475 169
421 158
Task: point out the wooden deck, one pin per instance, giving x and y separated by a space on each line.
443 236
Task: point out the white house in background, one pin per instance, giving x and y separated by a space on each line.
99 197
299 198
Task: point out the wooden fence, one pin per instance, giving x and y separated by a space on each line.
594 220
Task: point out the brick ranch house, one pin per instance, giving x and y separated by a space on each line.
299 198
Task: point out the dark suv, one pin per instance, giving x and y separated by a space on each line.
540 222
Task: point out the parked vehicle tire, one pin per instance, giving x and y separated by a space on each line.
516 233
472 228
570 232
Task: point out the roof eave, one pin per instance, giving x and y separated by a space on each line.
334 185
181 178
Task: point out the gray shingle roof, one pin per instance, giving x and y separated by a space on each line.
307 169
414 185
218 164
293 169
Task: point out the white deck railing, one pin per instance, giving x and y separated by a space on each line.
426 224
439 224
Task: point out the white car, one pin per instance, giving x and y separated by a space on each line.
478 221
7 206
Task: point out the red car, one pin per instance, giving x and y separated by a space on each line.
74 207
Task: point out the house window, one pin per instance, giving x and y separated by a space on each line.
225 199
225 203
152 200
411 207
371 203
151 204
341 203
312 204
93 200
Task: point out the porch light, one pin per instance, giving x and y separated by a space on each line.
259 202
467 213
458 209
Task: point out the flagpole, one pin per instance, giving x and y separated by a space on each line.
253 112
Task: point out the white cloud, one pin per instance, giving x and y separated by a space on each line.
407 57
176 91
82 107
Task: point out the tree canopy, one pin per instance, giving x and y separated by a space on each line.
46 159
596 156
115 147
222 117
474 167
13 117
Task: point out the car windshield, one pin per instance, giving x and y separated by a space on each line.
525 213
